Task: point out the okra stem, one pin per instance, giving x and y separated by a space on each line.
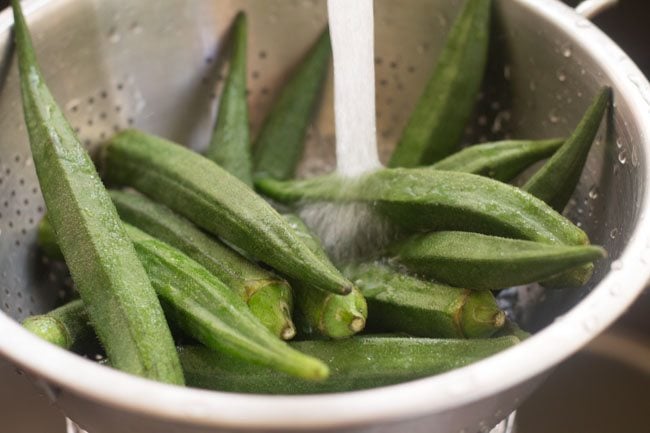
64 326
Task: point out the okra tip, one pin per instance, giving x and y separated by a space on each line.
480 315
288 332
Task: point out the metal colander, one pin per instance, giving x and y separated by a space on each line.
156 65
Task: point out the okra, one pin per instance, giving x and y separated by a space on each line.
46 239
356 363
441 114
422 199
280 143
334 316
230 145
216 201
464 259
202 306
555 182
64 326
121 303
501 160
403 303
268 296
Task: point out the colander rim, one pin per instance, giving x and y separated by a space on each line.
608 300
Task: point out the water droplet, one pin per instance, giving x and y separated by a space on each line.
617 265
552 117
583 23
114 36
613 233
622 156
566 52
619 143
561 76
593 192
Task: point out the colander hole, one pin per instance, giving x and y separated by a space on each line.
120 86
7 306
262 54
393 65
118 108
208 60
411 69
31 221
34 190
87 142
90 122
32 300
130 121
255 75
383 82
18 212
116 128
103 115
21 181
8 171
102 135
17 158
104 94
13 193
77 130
11 224
19 294
17 242
74 108
24 232
20 310
265 91
91 100
6 204
40 209
6 291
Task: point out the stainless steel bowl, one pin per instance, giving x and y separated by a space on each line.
154 64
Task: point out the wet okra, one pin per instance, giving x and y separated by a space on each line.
555 182
501 160
464 259
216 201
280 142
441 114
104 265
268 296
400 302
65 326
201 305
356 363
230 142
334 316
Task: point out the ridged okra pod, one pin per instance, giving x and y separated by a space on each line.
422 199
64 326
201 305
268 296
441 114
464 259
356 363
334 316
280 142
501 160
103 263
216 201
230 145
404 303
555 182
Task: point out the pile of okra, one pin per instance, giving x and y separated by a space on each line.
187 274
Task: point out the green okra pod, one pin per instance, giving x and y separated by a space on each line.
268 296
442 112
46 239
356 363
280 142
555 182
334 316
501 160
103 263
464 259
201 305
404 303
216 201
64 326
422 199
230 145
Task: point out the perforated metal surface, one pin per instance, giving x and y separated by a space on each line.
156 65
